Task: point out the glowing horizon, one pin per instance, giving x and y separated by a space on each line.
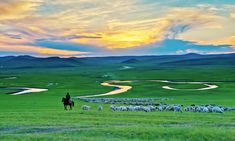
102 27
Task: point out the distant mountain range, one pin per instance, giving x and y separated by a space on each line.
190 59
34 62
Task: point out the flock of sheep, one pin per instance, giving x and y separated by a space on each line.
167 107
149 105
208 108
126 101
174 107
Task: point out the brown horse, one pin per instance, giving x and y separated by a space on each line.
67 103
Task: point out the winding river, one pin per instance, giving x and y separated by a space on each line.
118 88
29 90
23 90
121 89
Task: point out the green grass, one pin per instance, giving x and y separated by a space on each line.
40 116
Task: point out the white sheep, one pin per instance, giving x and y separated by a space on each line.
177 108
85 107
159 108
147 109
205 110
100 108
112 108
217 109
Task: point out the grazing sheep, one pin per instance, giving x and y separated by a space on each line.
187 109
172 107
150 105
217 109
205 110
126 101
123 108
100 108
210 108
130 108
177 108
85 107
147 109
169 108
198 108
112 107
159 108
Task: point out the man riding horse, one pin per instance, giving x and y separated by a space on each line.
67 101
68 97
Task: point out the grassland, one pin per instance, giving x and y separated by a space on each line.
40 116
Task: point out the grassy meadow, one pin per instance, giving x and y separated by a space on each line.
40 116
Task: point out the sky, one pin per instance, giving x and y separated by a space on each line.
116 27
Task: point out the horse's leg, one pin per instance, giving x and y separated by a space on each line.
70 105
65 107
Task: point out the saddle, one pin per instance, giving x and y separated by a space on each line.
70 101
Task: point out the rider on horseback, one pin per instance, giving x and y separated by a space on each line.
67 102
68 98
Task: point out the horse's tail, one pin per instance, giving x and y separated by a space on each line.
72 103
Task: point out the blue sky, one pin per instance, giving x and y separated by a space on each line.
118 27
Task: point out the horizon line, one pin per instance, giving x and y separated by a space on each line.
35 56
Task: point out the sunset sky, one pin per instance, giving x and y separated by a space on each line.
116 27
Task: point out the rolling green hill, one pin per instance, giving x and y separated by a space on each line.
165 60
33 62
205 61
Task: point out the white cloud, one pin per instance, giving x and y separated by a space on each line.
189 51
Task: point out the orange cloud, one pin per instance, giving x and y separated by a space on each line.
146 31
9 44
39 50
16 9
123 35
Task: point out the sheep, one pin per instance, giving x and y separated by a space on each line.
169 108
137 108
112 107
198 108
85 107
217 109
189 109
177 108
123 108
100 108
210 108
130 108
152 108
205 110
159 108
147 109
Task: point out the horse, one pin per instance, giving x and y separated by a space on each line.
66 103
